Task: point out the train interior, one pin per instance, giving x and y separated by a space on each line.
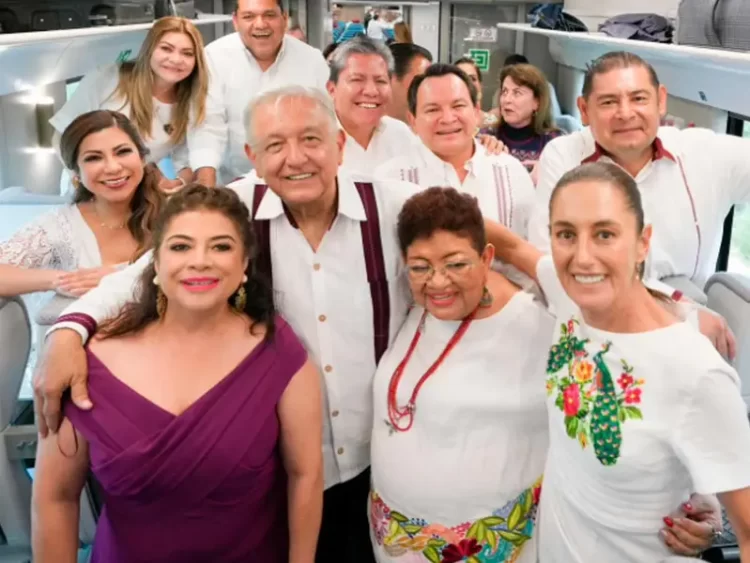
42 65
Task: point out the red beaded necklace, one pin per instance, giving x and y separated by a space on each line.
396 413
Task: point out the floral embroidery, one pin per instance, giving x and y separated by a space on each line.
594 404
498 538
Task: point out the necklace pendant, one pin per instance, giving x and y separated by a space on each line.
168 129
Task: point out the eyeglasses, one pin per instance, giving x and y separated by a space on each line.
454 271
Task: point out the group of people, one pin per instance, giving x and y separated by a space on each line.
381 341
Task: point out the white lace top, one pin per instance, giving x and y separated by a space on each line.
58 240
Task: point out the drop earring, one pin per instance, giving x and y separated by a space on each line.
240 298
486 299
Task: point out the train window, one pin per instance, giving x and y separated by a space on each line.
738 224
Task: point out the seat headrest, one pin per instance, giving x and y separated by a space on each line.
15 346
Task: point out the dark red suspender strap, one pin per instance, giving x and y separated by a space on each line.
375 263
262 229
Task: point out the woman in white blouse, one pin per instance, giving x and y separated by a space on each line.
116 202
460 431
642 409
163 92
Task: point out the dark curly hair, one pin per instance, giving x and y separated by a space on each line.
259 306
441 209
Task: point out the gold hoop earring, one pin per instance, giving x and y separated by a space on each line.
240 299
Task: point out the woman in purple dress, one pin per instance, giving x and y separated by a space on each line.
206 435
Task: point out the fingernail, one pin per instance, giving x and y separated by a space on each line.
668 521
688 506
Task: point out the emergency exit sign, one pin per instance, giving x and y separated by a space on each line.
481 57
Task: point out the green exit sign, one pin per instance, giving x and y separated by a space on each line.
481 57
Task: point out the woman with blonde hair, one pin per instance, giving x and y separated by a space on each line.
163 92
526 123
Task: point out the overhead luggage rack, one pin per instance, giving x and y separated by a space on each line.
18 16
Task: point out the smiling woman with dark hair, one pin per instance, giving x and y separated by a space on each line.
202 456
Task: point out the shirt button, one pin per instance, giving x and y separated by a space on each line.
328 368
340 451
322 318
316 267
335 414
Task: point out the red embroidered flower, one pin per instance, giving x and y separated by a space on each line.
633 396
570 326
572 399
625 381
537 493
465 548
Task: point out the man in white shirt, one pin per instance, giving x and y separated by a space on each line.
444 113
330 245
260 56
360 85
689 179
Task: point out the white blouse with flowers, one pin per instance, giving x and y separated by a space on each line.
463 483
637 423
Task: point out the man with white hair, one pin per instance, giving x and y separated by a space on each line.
329 244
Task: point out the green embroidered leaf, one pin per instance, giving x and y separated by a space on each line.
478 531
621 414
528 501
492 538
492 521
571 427
632 412
513 537
398 517
431 554
437 543
394 530
515 516
412 529
559 402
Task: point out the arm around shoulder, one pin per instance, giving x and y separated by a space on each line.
105 300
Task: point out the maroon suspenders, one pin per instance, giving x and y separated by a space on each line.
375 263
262 230
373 252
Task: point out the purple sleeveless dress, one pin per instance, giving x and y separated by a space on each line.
205 486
